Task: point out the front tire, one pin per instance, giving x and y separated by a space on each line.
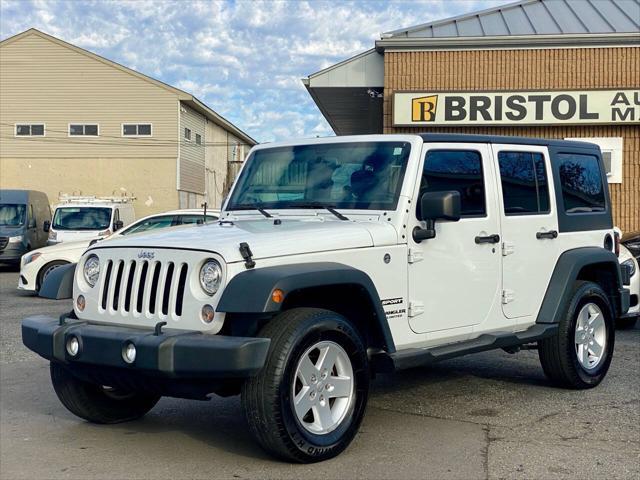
308 401
96 403
46 270
579 355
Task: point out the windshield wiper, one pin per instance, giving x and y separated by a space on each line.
257 207
329 208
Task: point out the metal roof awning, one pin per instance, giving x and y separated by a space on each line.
349 94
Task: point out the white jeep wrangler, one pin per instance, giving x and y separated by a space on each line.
338 258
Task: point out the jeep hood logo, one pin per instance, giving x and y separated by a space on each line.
146 254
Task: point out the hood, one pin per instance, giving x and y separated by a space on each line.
291 237
63 247
11 231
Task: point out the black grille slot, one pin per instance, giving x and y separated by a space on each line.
127 295
3 242
167 289
105 289
182 280
143 279
154 287
116 287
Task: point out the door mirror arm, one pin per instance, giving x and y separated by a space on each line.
420 234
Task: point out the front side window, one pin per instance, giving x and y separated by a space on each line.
525 190
581 180
149 224
82 218
87 130
30 130
136 130
12 214
359 175
459 170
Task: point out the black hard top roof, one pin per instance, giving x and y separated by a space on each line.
465 138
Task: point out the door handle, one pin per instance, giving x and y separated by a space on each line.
550 234
495 238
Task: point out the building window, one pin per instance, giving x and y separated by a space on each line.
29 129
198 139
459 170
581 180
524 183
83 129
136 129
187 133
611 148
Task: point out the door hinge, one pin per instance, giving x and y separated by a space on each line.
508 248
415 255
415 308
508 296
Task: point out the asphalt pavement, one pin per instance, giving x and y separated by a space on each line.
490 415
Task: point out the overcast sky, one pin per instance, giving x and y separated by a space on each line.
243 58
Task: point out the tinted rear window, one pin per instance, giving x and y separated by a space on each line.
524 183
581 181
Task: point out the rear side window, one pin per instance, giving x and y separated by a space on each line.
459 170
525 190
581 180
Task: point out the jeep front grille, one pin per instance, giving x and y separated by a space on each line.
149 288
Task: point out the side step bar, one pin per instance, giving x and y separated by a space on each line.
416 357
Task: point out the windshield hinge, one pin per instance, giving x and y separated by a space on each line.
415 255
246 253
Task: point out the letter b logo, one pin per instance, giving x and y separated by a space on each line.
423 109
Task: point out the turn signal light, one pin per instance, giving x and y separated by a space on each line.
277 296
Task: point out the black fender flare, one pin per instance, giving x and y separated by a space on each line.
250 291
566 272
58 285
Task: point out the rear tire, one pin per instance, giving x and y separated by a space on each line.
308 401
95 403
579 355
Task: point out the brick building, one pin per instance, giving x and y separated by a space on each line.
542 68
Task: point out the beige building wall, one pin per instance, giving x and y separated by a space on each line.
191 155
42 81
220 162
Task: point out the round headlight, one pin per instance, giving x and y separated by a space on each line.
92 269
210 276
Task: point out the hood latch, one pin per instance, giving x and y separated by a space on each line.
246 253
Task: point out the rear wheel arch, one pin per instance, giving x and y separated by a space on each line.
590 264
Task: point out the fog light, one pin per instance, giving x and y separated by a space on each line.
73 346
207 314
80 302
129 352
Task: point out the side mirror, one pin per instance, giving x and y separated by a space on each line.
436 206
46 226
117 225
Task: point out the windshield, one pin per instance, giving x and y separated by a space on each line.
82 218
12 215
362 175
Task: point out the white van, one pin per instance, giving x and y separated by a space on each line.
85 217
